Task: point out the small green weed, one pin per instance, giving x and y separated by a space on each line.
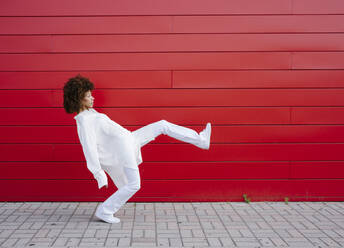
247 200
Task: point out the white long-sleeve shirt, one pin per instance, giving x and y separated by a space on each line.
106 143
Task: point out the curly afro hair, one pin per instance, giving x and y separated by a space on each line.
74 91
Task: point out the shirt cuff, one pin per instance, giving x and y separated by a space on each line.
101 178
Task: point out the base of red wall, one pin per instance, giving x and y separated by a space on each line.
178 190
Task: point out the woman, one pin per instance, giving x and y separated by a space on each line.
109 147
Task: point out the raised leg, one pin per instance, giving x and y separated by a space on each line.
149 132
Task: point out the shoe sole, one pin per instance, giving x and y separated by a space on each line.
208 135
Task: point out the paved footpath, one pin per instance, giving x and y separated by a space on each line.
174 224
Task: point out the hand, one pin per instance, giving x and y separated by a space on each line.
106 185
101 179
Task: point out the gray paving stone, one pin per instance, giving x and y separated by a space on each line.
163 241
60 242
227 241
6 233
111 242
214 242
235 233
177 224
92 241
73 242
124 241
176 242
22 242
279 242
9 242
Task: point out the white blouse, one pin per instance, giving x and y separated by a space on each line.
106 143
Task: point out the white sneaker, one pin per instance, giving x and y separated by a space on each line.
109 218
205 137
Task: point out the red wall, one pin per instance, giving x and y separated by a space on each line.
268 75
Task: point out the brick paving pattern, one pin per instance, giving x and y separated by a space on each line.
174 224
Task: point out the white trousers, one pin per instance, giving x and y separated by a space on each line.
144 135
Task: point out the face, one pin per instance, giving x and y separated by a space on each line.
87 101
